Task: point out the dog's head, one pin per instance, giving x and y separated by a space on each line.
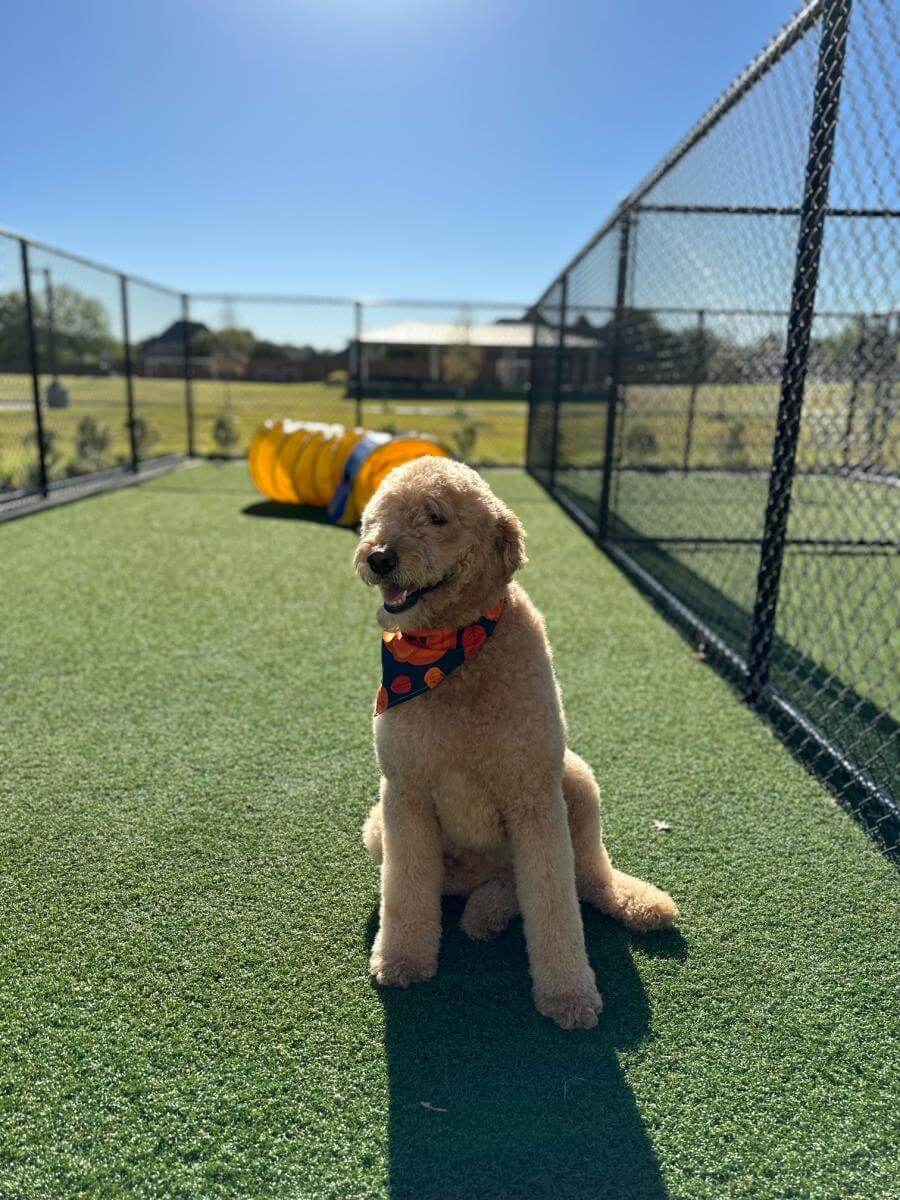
439 544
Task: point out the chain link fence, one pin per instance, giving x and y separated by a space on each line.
457 371
713 394
75 402
101 372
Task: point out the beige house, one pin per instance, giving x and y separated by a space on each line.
430 355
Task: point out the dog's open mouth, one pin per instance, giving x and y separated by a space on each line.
399 600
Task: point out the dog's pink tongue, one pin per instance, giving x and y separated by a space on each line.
394 594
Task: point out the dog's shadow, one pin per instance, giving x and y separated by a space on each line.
293 512
489 1099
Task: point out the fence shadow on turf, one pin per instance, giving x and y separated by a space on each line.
872 732
489 1099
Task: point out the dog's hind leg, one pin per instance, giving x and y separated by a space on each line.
639 905
490 908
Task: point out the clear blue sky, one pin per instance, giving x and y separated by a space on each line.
374 147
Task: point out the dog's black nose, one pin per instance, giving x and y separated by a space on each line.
382 562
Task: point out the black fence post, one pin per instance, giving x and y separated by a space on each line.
357 341
51 324
35 371
557 377
826 98
699 370
856 375
615 376
532 374
885 356
129 382
188 383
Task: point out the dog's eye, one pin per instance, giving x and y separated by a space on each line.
437 519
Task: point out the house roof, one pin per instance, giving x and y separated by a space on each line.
164 342
438 333
505 335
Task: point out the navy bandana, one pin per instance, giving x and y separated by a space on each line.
413 663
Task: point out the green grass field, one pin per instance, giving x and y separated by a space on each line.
733 425
498 427
185 1010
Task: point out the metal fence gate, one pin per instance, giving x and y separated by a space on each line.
713 392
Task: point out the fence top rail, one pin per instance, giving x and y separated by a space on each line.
528 309
785 40
264 297
86 262
694 310
363 301
762 210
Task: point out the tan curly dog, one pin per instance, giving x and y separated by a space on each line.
480 796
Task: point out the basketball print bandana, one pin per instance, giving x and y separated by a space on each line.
413 663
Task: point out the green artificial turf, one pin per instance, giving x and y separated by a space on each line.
185 1008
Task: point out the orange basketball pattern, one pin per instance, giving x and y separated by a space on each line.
417 662
421 648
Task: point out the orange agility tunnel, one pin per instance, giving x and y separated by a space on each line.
330 466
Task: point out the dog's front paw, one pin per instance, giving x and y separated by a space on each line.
575 1008
399 968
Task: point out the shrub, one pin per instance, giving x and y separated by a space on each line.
145 436
462 365
51 456
735 448
640 440
92 442
465 438
226 433
337 377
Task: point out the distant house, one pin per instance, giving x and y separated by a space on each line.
436 356
273 370
269 362
164 355
294 364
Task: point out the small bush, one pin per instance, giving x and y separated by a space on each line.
226 433
52 457
461 365
465 439
92 443
337 377
145 436
640 440
734 450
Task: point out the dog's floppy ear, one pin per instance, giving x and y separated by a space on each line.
511 541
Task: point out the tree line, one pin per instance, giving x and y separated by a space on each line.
652 351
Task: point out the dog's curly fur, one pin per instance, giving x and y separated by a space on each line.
480 796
